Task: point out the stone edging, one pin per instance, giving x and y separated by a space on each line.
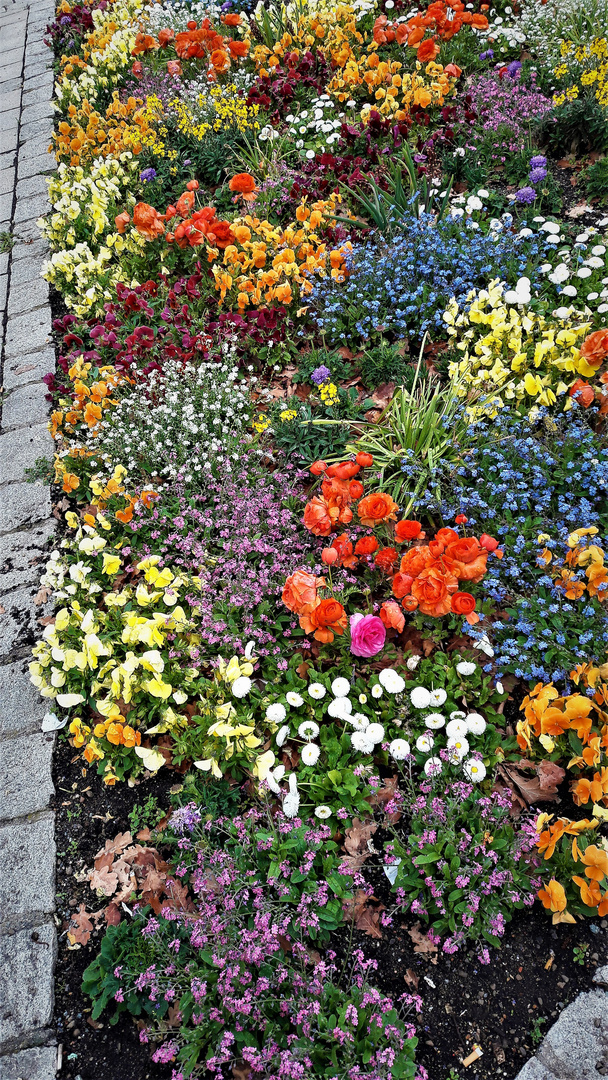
28 942
576 1047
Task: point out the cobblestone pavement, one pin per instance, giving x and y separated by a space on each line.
27 848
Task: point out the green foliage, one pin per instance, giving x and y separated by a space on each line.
120 944
300 437
596 180
385 363
145 814
341 369
42 469
576 127
406 192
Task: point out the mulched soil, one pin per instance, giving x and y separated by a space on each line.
499 1007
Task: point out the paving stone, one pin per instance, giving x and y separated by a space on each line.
31 166
27 1001
37 1063
30 249
34 185
26 784
21 504
35 112
21 451
6 207
27 404
10 100
23 556
36 129
576 1047
23 846
25 272
26 333
601 976
27 367
31 209
33 95
27 297
21 707
19 617
7 177
11 71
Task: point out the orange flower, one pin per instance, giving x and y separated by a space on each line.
165 37
318 518
125 515
129 736
327 619
594 790
432 589
318 467
392 616
300 592
366 545
121 221
553 897
344 549
355 489
92 414
346 470
468 558
427 50
220 60
238 48
549 838
70 482
582 392
402 585
598 577
232 19
185 203
416 560
364 460
464 604
144 43
596 861
595 347
386 559
244 185
174 67
407 530
148 221
446 536
114 734
376 508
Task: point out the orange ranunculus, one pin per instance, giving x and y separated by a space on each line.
329 556
596 861
174 67
336 491
427 50
366 545
446 536
410 603
392 616
402 585
231 19
553 897
347 469
185 203
376 508
432 589
407 530
192 185
582 392
468 558
319 518
355 489
318 467
416 560
121 221
453 70
549 837
300 592
344 548
385 559
221 234
148 221
595 347
238 48
220 60
243 184
327 619
364 460
464 604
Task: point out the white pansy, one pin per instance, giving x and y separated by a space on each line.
466 667
399 749
241 686
310 754
276 712
550 227
476 723
308 730
425 743
340 687
474 769
420 697
317 691
292 698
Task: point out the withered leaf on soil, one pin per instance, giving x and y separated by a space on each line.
80 927
364 911
355 838
411 978
112 914
527 790
383 394
241 1071
422 944
104 880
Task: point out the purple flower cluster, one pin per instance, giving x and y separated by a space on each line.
538 172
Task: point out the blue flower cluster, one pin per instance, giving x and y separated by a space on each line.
404 288
519 480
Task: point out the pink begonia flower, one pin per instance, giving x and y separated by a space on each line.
367 635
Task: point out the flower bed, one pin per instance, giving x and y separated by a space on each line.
331 588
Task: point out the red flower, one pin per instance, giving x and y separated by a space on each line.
364 460
386 559
407 530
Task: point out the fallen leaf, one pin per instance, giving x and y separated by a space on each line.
356 838
174 1016
143 834
80 927
422 944
112 914
241 1071
48 620
383 394
2 610
411 978
94 1024
26 367
364 912
104 880
42 596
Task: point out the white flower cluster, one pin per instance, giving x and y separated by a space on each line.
317 127
457 729
577 273
179 422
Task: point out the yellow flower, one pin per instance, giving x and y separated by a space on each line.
111 564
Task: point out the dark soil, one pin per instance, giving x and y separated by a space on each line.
505 1007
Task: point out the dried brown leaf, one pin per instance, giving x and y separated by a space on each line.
355 838
422 944
80 927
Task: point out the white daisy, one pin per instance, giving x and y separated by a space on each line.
275 713
375 732
376 691
433 766
294 699
282 734
399 749
359 721
475 723
474 769
420 697
308 730
241 686
457 715
340 687
466 667
458 748
434 721
391 681
425 743
455 728
362 699
437 697
340 708
361 743
310 754
317 690
323 812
